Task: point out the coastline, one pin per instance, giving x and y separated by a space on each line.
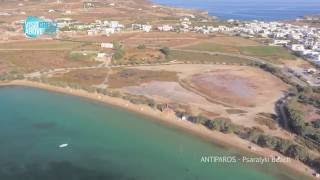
235 15
228 140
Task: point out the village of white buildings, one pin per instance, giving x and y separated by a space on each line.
303 41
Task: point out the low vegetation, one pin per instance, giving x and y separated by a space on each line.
236 111
87 77
267 52
134 77
40 60
11 75
192 57
119 51
298 125
41 45
271 54
166 51
270 123
82 55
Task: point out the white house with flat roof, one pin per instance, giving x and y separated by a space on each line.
297 47
165 28
146 28
107 45
279 42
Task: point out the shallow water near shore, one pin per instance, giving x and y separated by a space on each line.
104 143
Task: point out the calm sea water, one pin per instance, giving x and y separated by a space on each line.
105 143
251 9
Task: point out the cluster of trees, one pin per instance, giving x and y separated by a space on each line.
138 99
166 51
256 135
219 124
119 51
296 119
278 73
300 127
316 124
286 147
141 46
9 76
309 100
296 116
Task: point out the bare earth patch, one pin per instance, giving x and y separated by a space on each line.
242 87
36 60
133 77
230 89
87 77
173 92
235 92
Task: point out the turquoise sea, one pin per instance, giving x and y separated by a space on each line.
105 143
251 9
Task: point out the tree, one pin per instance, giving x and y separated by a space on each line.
316 164
316 124
283 145
119 52
141 46
296 152
165 51
209 124
268 141
296 118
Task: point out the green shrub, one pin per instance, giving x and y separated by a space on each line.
141 46
165 51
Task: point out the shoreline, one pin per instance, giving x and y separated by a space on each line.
215 137
221 18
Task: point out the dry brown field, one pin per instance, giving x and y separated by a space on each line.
87 77
234 92
35 60
133 77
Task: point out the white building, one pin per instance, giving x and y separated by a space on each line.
165 28
101 55
63 22
278 42
146 28
114 24
107 45
316 46
108 31
297 47
92 32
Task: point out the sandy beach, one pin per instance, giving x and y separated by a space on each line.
229 140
